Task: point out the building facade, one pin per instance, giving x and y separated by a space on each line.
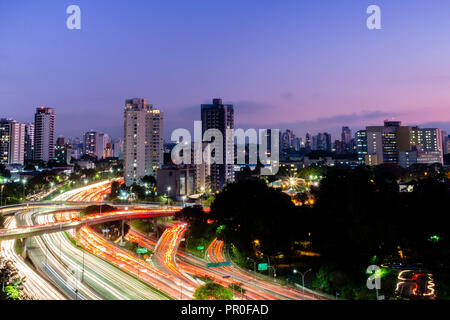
221 117
91 144
143 140
44 134
12 142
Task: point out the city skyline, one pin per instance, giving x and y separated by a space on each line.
281 73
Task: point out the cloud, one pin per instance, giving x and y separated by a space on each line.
332 124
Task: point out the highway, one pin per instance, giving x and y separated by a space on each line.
79 274
35 285
58 226
108 271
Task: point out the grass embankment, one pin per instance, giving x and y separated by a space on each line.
194 243
142 225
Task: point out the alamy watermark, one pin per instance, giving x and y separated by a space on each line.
374 20
74 20
215 147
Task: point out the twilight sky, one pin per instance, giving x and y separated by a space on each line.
300 64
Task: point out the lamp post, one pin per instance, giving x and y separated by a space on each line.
24 181
303 277
168 195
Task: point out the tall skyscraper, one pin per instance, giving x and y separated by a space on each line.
44 134
220 116
12 142
117 145
29 141
361 145
346 138
308 142
143 140
103 142
91 144
322 141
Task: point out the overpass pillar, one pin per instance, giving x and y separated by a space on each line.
155 227
24 247
122 243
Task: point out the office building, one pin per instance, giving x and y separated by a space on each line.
403 145
44 134
103 142
91 144
346 139
63 151
361 145
29 141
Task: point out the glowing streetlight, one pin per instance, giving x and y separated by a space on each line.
24 182
295 271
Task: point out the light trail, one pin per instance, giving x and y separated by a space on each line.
35 285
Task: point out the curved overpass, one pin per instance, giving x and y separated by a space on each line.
25 232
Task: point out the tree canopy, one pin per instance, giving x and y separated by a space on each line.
212 291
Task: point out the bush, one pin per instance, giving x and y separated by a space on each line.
212 291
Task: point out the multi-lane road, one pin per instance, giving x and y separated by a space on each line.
97 268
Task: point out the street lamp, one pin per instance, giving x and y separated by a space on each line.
183 198
168 194
303 277
24 181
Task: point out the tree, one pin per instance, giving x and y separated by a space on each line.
149 180
115 191
212 291
3 172
11 283
253 213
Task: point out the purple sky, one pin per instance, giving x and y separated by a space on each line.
306 65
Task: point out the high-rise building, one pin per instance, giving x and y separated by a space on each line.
428 143
143 141
221 117
92 145
63 151
445 142
384 142
44 134
12 142
393 143
308 142
108 151
287 140
361 145
103 142
346 138
322 142
29 141
117 145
